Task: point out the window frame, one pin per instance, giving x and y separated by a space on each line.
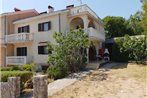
21 51
41 26
42 51
24 29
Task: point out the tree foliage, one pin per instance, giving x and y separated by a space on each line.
119 26
115 26
136 47
144 20
134 23
69 50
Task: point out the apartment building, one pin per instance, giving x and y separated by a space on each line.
26 41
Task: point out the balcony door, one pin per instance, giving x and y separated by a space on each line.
22 51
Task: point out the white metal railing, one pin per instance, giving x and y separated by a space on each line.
16 60
19 37
95 33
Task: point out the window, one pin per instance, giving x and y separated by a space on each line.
44 26
22 51
43 50
24 29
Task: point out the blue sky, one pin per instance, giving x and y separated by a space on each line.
103 8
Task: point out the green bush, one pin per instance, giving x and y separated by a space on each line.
117 55
29 67
24 76
5 68
11 68
57 71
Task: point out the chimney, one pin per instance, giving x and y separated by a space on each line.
16 9
50 9
69 6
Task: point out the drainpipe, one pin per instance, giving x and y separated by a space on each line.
5 45
59 23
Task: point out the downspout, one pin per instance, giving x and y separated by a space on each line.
5 45
59 23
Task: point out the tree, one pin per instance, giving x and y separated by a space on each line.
134 23
136 47
69 50
116 26
144 20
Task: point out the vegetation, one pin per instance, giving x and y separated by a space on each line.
29 67
135 47
69 52
144 20
57 72
119 26
24 76
118 55
11 68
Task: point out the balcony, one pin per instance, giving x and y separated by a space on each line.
80 9
19 37
93 33
16 60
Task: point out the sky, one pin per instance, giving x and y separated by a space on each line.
102 8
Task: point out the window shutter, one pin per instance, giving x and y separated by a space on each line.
42 27
39 27
49 25
23 29
28 28
19 29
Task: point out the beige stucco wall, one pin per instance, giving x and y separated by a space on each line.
7 27
2 56
46 36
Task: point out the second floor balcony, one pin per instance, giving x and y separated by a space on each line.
19 37
93 33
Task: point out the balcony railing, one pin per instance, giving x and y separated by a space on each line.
19 37
16 60
80 9
95 34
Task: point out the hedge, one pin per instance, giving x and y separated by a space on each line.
24 75
10 68
117 55
5 68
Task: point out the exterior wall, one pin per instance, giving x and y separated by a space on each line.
41 37
2 56
7 27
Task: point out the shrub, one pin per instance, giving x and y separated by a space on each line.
16 67
5 68
29 67
57 71
11 68
117 55
24 76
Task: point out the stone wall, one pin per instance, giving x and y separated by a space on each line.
40 86
10 89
